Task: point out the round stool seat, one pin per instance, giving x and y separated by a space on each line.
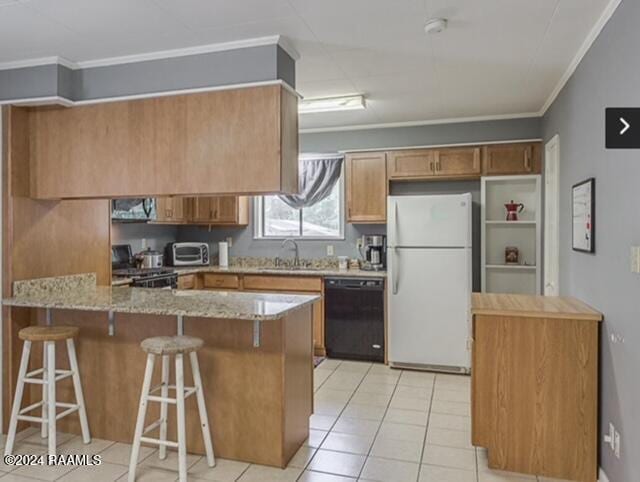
171 345
48 333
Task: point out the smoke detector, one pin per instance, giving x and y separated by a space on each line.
435 25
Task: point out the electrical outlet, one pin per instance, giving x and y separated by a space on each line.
610 438
230 241
616 338
329 249
143 243
616 444
635 259
360 242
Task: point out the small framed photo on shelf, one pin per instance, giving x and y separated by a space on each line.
583 203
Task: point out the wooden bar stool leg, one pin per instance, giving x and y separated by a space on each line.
17 399
142 412
182 438
51 395
43 426
77 386
164 391
202 409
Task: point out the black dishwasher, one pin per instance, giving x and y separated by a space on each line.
354 318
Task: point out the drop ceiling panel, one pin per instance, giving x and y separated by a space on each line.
497 57
209 14
27 34
292 27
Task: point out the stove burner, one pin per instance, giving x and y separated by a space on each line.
141 273
149 277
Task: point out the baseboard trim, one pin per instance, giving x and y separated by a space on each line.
602 477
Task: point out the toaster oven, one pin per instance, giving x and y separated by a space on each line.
187 254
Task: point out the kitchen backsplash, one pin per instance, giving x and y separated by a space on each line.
244 244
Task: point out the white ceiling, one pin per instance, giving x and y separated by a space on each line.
497 58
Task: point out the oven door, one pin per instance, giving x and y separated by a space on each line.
188 254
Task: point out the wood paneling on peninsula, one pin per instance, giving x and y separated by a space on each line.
224 142
534 385
42 238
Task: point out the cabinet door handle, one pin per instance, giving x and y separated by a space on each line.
431 168
527 161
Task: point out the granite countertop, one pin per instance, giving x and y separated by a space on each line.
556 307
79 292
323 272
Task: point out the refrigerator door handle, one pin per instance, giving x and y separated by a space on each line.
396 241
395 271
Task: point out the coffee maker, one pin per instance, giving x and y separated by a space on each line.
375 252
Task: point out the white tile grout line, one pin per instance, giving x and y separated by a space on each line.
395 387
424 441
336 421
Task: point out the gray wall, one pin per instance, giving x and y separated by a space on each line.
245 245
156 235
499 130
213 69
607 77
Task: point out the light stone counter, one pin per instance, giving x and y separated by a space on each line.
79 292
323 272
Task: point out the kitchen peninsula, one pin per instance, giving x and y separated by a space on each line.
256 363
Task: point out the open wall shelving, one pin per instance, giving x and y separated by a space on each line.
498 234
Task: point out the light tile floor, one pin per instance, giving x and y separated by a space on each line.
372 423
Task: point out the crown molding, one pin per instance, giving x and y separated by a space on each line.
64 101
582 51
280 40
21 64
456 120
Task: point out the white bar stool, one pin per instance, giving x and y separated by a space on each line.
167 346
50 375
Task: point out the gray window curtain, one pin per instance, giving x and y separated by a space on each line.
316 178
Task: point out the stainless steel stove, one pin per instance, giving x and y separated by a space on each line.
122 267
149 278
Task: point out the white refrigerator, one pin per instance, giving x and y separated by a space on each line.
429 281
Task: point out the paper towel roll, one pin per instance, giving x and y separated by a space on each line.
223 254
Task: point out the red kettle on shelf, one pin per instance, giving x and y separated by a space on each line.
513 209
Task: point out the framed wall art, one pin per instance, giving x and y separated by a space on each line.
583 202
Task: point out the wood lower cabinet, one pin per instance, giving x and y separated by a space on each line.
187 282
366 181
221 281
173 210
280 284
534 386
505 159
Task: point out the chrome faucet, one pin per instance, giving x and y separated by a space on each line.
296 260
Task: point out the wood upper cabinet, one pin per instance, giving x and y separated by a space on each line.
505 159
458 162
366 182
225 210
183 144
452 162
173 210
413 163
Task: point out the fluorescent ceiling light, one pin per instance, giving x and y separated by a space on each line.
332 104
